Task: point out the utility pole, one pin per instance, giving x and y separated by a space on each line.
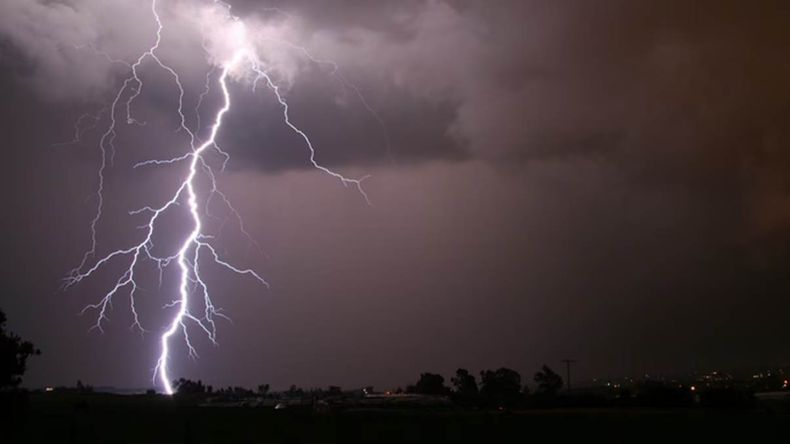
568 363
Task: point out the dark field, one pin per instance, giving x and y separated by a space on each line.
149 419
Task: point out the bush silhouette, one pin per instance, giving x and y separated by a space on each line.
14 352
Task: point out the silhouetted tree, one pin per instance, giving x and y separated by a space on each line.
189 387
501 387
82 388
430 384
549 382
465 385
263 390
13 356
242 392
295 392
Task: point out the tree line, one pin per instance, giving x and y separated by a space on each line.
497 388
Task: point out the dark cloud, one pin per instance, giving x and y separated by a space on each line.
501 81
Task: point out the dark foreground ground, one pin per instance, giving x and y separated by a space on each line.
98 418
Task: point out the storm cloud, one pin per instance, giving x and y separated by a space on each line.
508 81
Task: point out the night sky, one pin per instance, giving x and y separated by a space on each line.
605 181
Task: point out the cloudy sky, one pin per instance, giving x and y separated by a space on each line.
605 181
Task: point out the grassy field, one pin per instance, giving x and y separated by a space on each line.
98 418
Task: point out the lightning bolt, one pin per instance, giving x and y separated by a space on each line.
197 245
